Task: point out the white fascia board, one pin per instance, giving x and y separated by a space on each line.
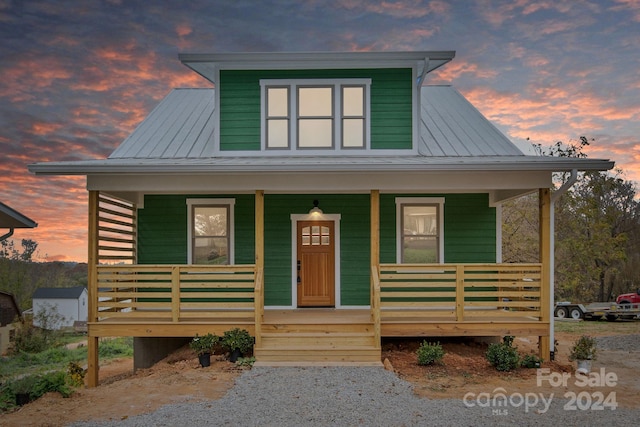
205 64
340 164
419 182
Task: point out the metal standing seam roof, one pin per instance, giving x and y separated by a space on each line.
73 292
182 127
178 137
451 126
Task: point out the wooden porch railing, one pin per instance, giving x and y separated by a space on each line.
177 293
375 303
458 292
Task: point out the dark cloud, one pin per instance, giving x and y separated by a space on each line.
76 77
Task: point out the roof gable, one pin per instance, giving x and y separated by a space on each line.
10 218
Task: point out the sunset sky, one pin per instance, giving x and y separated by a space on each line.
76 77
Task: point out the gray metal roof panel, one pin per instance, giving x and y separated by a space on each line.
58 293
451 126
180 126
177 137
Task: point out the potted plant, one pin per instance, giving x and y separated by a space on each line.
203 346
583 352
238 342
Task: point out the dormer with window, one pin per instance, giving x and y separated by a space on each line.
354 103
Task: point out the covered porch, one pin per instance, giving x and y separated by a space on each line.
432 300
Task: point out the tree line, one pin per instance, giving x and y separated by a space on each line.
597 232
21 276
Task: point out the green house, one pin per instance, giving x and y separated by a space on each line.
314 195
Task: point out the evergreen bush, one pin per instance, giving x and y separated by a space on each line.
429 353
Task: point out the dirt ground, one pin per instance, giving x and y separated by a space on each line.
179 378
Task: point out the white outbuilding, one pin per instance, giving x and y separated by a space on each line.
64 306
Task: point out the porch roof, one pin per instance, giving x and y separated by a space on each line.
364 164
11 218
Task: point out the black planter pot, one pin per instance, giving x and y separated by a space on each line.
22 399
235 354
205 359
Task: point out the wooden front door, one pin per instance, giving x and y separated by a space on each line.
316 264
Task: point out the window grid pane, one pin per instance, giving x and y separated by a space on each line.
277 133
315 133
315 102
353 133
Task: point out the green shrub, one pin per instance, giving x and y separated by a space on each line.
531 361
237 338
118 347
429 353
37 385
245 361
52 381
503 356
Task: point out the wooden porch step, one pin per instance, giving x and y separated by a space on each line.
360 328
317 354
318 364
326 339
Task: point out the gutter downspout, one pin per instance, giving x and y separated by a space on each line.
6 236
555 196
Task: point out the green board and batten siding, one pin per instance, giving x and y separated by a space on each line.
469 235
391 104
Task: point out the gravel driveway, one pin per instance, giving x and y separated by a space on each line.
345 396
369 396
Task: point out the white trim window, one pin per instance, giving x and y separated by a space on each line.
420 230
315 114
210 228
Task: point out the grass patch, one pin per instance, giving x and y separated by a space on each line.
598 327
55 369
58 358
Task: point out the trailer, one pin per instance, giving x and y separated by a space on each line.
596 311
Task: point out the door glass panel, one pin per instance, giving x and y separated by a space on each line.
306 239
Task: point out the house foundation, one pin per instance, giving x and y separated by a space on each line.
149 350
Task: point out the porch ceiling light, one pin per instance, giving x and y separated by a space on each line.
315 210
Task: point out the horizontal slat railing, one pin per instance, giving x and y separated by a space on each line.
175 293
459 292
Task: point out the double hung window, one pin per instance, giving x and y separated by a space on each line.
210 231
420 230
